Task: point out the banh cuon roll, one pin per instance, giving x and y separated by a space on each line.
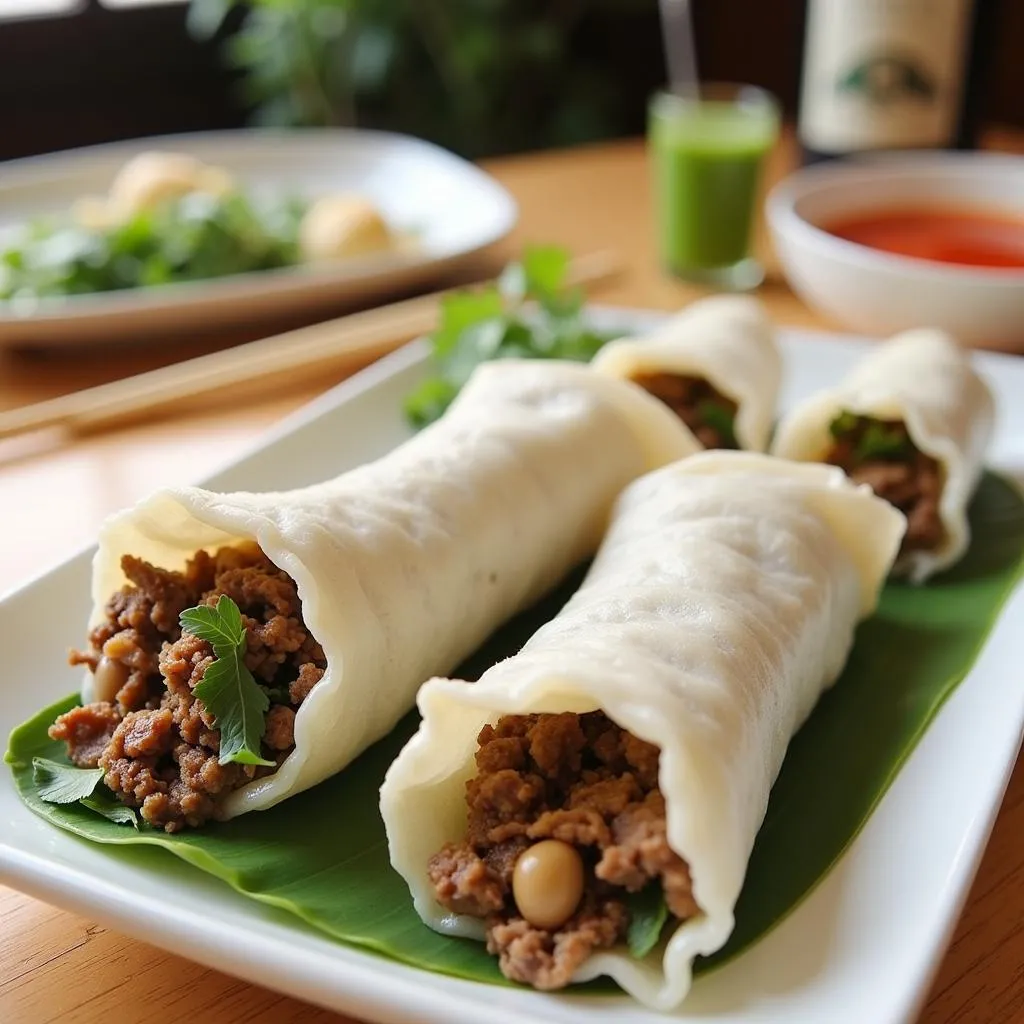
913 419
244 647
623 759
716 365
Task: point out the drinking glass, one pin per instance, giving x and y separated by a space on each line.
707 145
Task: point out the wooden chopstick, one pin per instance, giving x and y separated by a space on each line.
348 341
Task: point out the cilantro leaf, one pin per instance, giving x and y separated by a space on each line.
62 783
539 275
496 323
278 694
219 625
228 690
648 913
884 441
429 401
65 784
512 284
461 311
871 438
845 423
545 268
721 419
197 236
103 803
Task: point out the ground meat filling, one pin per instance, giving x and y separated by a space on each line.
706 411
156 742
880 453
584 781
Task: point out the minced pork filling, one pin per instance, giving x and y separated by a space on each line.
705 410
880 453
155 741
584 781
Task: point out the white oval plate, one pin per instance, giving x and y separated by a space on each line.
451 207
861 949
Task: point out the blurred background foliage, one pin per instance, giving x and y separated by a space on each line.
477 76
480 76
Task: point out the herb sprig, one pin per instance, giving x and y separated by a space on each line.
231 695
192 238
648 913
530 313
64 784
872 438
721 419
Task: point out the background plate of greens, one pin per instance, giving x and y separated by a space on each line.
871 840
444 206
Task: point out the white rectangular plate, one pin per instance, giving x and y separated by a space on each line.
861 949
453 209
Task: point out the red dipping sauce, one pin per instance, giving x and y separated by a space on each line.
970 238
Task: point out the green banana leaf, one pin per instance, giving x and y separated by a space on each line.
322 855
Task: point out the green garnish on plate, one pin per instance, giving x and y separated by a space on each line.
193 238
228 689
62 783
720 419
105 804
529 313
884 441
648 913
872 439
58 783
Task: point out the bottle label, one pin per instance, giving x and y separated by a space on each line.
882 73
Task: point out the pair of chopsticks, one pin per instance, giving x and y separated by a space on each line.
338 345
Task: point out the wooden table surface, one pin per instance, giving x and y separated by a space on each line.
55 966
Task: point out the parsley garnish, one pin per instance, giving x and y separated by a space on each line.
227 688
492 323
648 913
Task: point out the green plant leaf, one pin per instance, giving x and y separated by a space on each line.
331 870
512 282
461 311
63 783
219 625
373 53
721 419
227 688
844 423
205 17
503 322
103 803
648 913
193 238
545 268
429 401
883 441
871 438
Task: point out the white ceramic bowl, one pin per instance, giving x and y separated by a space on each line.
880 293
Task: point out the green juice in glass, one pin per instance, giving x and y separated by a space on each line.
706 154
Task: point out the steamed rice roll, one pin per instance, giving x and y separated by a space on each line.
339 599
627 752
913 420
716 365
